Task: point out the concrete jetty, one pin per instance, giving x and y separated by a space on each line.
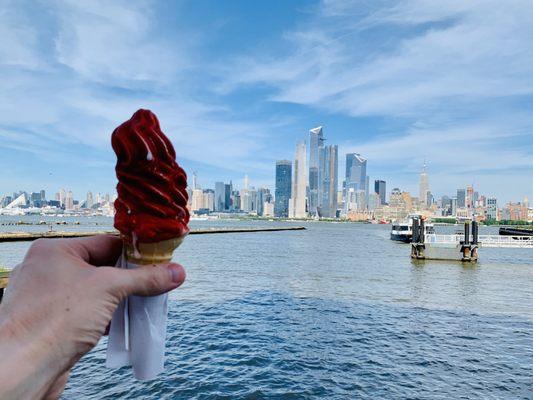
29 236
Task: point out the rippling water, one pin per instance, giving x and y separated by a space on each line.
336 311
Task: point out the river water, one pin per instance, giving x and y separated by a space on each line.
336 311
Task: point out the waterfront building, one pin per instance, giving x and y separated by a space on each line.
469 198
397 205
380 187
228 189
89 202
297 204
197 201
282 193
328 207
446 205
43 195
209 200
492 208
268 209
62 196
236 200
374 201
424 187
263 196
516 212
316 169
461 198
356 177
69 201
220 196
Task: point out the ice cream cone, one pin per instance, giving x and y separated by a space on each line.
151 253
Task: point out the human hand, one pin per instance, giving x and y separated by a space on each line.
58 305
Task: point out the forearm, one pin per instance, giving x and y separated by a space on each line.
28 368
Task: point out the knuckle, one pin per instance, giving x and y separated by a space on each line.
156 280
38 246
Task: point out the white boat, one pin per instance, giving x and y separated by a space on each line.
403 231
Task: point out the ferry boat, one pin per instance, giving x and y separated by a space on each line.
403 231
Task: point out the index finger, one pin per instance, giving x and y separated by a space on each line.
97 250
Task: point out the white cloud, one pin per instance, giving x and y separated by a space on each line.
453 72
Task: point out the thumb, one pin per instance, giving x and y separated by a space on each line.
147 280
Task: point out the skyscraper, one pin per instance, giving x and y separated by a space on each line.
228 188
220 196
461 198
297 204
283 188
356 181
316 149
355 171
380 187
89 201
328 206
69 201
424 187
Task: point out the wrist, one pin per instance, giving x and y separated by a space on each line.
29 364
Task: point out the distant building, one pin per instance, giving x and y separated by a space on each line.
469 199
316 169
516 212
197 202
263 196
424 187
297 204
209 200
461 198
283 190
355 171
69 201
220 196
492 208
89 202
268 209
328 203
380 187
228 188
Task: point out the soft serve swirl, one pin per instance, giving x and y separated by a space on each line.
152 197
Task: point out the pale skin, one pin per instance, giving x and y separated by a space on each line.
58 304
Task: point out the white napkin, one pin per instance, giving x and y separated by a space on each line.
137 333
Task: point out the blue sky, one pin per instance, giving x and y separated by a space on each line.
236 83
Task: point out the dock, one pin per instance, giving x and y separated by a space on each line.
461 247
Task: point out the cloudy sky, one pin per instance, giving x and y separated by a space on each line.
236 83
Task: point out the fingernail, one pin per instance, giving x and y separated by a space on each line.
177 273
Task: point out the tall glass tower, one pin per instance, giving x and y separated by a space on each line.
328 202
283 188
355 171
220 196
381 189
297 206
316 172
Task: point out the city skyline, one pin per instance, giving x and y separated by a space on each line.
236 86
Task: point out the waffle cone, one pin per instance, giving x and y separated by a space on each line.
151 253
